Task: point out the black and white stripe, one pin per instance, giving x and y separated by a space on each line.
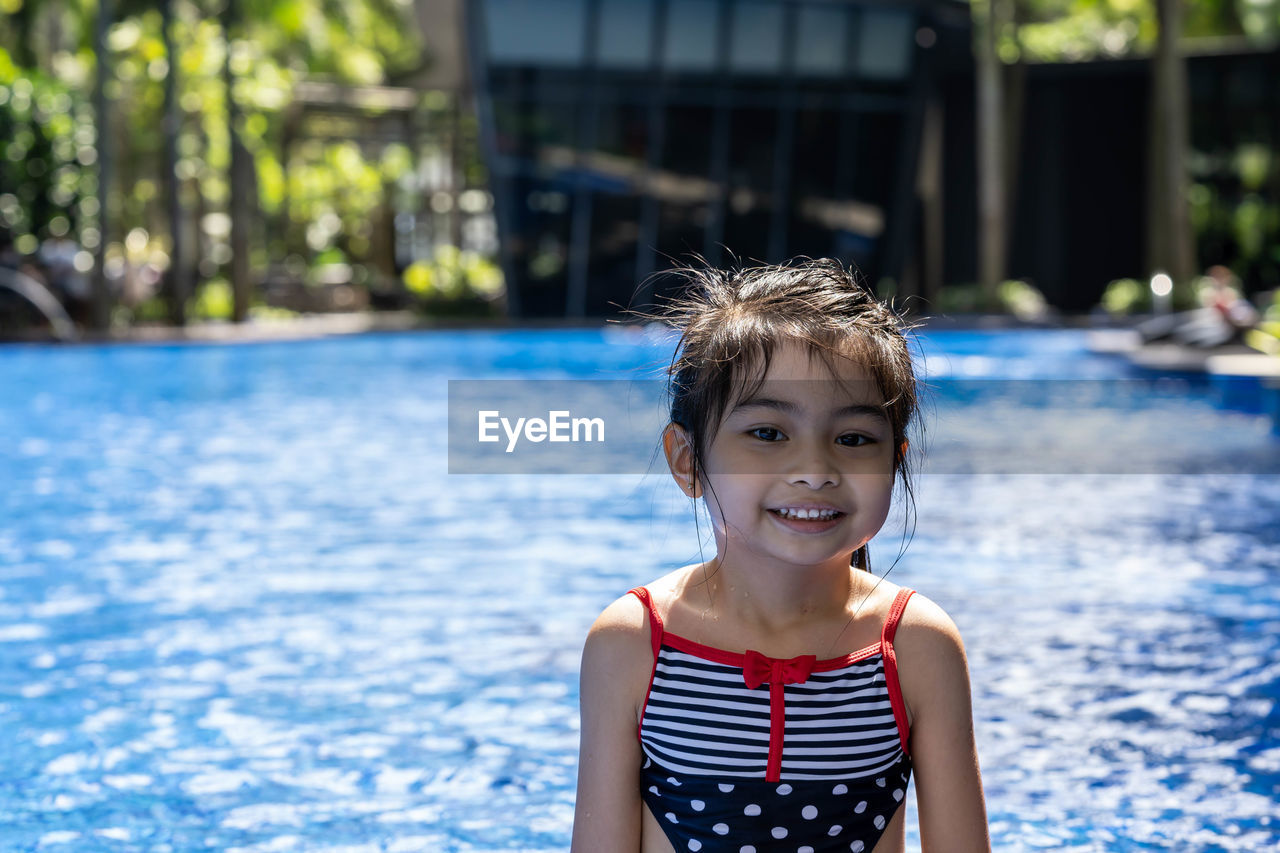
700 718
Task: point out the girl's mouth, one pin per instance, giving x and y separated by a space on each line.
808 521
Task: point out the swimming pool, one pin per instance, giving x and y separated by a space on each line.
244 607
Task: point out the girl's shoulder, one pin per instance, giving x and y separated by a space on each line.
931 662
623 630
626 622
617 651
924 622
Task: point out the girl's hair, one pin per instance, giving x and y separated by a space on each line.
732 321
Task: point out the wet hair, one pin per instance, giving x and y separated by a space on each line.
732 321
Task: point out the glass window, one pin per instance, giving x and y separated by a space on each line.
614 244
752 198
541 211
626 33
682 188
877 139
691 35
820 38
535 32
756 44
885 41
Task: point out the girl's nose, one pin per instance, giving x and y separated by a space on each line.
816 481
815 469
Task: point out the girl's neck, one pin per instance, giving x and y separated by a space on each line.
777 599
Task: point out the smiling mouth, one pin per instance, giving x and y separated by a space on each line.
807 514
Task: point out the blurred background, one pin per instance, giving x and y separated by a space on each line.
246 604
177 161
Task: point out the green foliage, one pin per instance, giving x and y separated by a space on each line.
1016 297
1234 209
1265 337
1075 30
1132 296
325 193
455 277
213 301
1126 296
1022 300
46 147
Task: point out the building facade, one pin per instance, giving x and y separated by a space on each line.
625 136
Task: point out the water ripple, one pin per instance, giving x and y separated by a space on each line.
245 608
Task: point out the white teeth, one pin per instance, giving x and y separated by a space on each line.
808 514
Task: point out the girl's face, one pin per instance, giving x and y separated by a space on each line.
806 440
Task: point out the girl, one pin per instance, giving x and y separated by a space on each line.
779 696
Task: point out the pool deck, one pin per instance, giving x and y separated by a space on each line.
310 326
1228 360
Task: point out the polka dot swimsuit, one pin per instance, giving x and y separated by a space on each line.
746 753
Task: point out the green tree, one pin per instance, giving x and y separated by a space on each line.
1078 30
168 69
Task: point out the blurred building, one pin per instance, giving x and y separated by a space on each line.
623 135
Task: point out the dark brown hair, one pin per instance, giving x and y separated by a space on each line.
732 321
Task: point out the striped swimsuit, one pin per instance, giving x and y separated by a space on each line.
746 753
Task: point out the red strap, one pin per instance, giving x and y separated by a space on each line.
891 665
655 639
655 621
756 670
777 728
895 613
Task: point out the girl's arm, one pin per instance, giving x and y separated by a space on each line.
616 664
934 676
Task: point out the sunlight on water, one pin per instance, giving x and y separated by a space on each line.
244 607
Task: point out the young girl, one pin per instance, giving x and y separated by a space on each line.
779 695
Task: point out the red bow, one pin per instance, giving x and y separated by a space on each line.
758 669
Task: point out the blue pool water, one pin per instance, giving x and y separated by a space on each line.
243 605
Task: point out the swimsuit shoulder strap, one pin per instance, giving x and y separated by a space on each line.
655 621
891 666
895 613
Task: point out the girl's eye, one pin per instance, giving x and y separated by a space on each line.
770 433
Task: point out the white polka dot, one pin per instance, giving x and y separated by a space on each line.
857 847
840 789
897 794
835 830
720 829
784 789
698 805
746 848
671 816
653 789
778 832
904 777
752 809
695 844
860 807
809 812
879 821
805 849
880 782
674 781
725 788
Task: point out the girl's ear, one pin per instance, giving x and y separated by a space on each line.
678 447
